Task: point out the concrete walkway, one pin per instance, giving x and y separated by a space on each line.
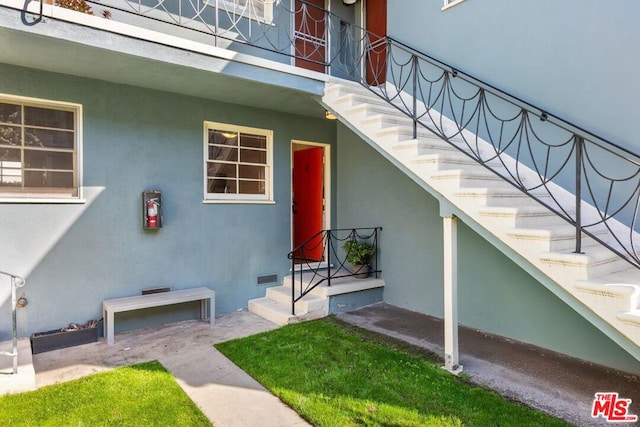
556 384
225 394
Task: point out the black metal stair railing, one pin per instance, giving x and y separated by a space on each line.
323 258
588 181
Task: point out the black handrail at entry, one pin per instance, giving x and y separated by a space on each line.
588 181
323 258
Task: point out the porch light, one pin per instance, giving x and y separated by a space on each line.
329 115
347 2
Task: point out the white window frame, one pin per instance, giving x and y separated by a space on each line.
26 196
268 173
247 10
450 3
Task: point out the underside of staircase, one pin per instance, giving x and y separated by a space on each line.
598 284
343 294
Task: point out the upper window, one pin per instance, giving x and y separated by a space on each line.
238 163
451 3
259 10
38 148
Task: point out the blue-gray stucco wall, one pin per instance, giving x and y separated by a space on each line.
76 255
495 295
573 58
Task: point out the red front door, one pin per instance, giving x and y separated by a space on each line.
310 37
308 202
375 45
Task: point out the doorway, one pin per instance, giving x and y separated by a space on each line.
376 49
310 188
310 35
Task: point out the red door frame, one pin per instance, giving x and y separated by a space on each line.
310 35
323 208
375 62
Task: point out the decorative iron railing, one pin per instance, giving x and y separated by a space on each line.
588 181
16 282
324 257
591 183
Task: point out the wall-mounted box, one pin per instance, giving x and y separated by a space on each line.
152 209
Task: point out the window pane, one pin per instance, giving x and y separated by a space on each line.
252 187
10 155
253 141
223 153
48 160
251 172
222 186
48 179
10 135
253 156
9 113
223 137
45 117
10 168
221 170
48 138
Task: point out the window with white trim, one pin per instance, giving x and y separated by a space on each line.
238 163
259 10
39 148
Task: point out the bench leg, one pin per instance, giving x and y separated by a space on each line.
108 327
212 310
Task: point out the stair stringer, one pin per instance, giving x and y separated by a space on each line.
560 272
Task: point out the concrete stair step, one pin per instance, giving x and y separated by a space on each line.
550 239
472 177
271 310
362 111
520 216
382 121
399 133
346 88
506 195
414 149
308 303
631 317
280 314
571 267
344 102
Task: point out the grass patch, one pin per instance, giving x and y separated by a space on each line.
139 395
336 375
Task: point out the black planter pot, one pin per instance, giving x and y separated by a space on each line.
53 340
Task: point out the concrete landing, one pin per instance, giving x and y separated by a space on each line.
25 379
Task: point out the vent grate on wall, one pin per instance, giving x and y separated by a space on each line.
271 278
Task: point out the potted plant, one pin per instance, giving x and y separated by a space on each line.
358 255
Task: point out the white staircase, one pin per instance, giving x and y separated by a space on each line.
276 305
598 284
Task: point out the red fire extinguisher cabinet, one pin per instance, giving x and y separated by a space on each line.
152 209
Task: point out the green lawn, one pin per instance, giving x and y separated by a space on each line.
337 375
138 395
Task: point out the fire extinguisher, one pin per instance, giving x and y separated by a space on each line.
152 213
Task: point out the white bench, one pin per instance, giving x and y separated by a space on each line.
118 305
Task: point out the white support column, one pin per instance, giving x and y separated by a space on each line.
450 228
